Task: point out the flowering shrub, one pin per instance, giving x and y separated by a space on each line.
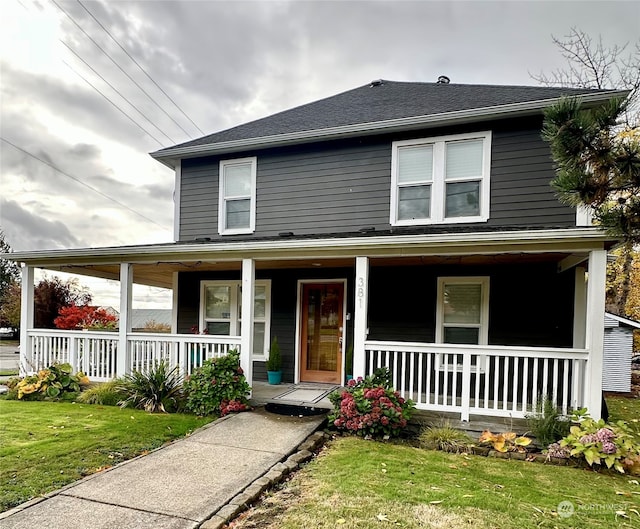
219 386
85 317
52 382
614 445
370 407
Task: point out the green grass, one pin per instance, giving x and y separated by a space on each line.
360 484
8 372
45 445
625 409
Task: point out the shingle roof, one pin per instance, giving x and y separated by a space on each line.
387 100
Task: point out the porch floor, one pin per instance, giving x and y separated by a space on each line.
309 395
289 393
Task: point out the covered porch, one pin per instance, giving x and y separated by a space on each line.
466 379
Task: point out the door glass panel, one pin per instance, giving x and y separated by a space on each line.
218 302
323 315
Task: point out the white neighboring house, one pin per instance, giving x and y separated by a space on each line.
618 349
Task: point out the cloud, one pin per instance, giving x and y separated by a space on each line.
224 63
26 230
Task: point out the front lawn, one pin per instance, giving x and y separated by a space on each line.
45 445
625 409
362 484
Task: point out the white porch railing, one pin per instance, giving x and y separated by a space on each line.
484 380
95 353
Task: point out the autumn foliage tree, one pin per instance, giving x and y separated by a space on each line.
84 317
9 283
51 295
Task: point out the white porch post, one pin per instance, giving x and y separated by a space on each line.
595 331
126 284
174 303
246 334
360 316
580 308
26 319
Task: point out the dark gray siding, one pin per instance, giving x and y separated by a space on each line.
529 304
284 292
342 186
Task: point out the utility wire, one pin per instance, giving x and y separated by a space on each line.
118 92
120 67
141 68
116 106
82 183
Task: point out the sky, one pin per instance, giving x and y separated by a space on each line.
77 123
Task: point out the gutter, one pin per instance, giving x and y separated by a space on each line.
171 155
151 253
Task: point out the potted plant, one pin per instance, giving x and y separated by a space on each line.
274 363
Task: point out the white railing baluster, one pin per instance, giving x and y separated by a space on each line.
514 394
565 386
505 382
496 381
525 384
554 396
490 370
411 375
427 391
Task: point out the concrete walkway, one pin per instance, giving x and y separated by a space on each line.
206 476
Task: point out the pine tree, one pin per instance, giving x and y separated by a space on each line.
597 163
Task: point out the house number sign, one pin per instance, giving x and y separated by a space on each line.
361 292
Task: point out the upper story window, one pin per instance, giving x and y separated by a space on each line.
440 180
237 204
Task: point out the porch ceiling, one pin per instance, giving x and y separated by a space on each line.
160 274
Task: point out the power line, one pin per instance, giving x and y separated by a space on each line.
118 92
120 68
82 183
116 106
141 68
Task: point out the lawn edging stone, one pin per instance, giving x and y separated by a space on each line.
531 457
276 474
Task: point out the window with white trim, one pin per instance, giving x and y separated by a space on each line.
440 180
462 314
221 312
237 196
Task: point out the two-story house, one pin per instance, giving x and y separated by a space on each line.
410 223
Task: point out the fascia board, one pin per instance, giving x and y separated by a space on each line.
169 156
626 321
586 238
